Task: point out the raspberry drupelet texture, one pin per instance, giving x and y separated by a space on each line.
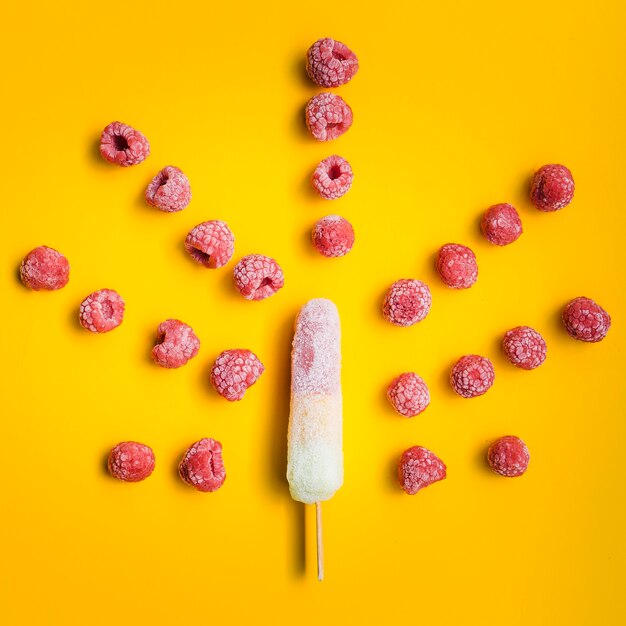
407 302
472 376
409 394
211 243
586 320
552 188
102 311
44 268
131 461
330 63
524 347
234 371
327 116
176 344
508 456
123 145
258 277
169 190
333 236
202 466
457 266
501 224
333 177
419 468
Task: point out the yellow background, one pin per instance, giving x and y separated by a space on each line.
455 105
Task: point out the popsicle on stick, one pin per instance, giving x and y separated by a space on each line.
315 455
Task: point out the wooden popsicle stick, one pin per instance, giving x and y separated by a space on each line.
320 543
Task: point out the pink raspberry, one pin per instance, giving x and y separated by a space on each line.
44 268
419 468
508 456
330 63
234 371
333 236
585 320
123 145
176 344
101 311
211 243
409 395
407 302
552 188
524 347
131 461
457 266
472 376
169 190
501 224
202 466
258 277
327 116
333 177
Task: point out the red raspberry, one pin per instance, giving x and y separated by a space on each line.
524 347
331 63
122 144
45 268
258 277
234 371
419 468
508 456
585 320
169 190
407 302
176 344
552 188
101 311
501 224
131 461
472 376
333 177
333 236
409 395
202 466
211 243
327 116
457 266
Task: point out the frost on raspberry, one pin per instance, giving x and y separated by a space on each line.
330 63
409 394
407 302
327 116
101 311
501 224
586 320
333 177
552 188
123 145
472 376
333 236
44 268
234 371
457 266
169 190
419 468
131 461
524 347
508 456
176 344
258 277
202 466
211 243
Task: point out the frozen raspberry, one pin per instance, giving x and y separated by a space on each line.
419 468
202 466
327 116
211 243
407 302
258 277
333 236
508 456
472 376
524 347
501 224
332 178
331 63
234 371
552 188
169 190
457 266
585 320
131 461
44 268
409 394
101 311
176 344
122 144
